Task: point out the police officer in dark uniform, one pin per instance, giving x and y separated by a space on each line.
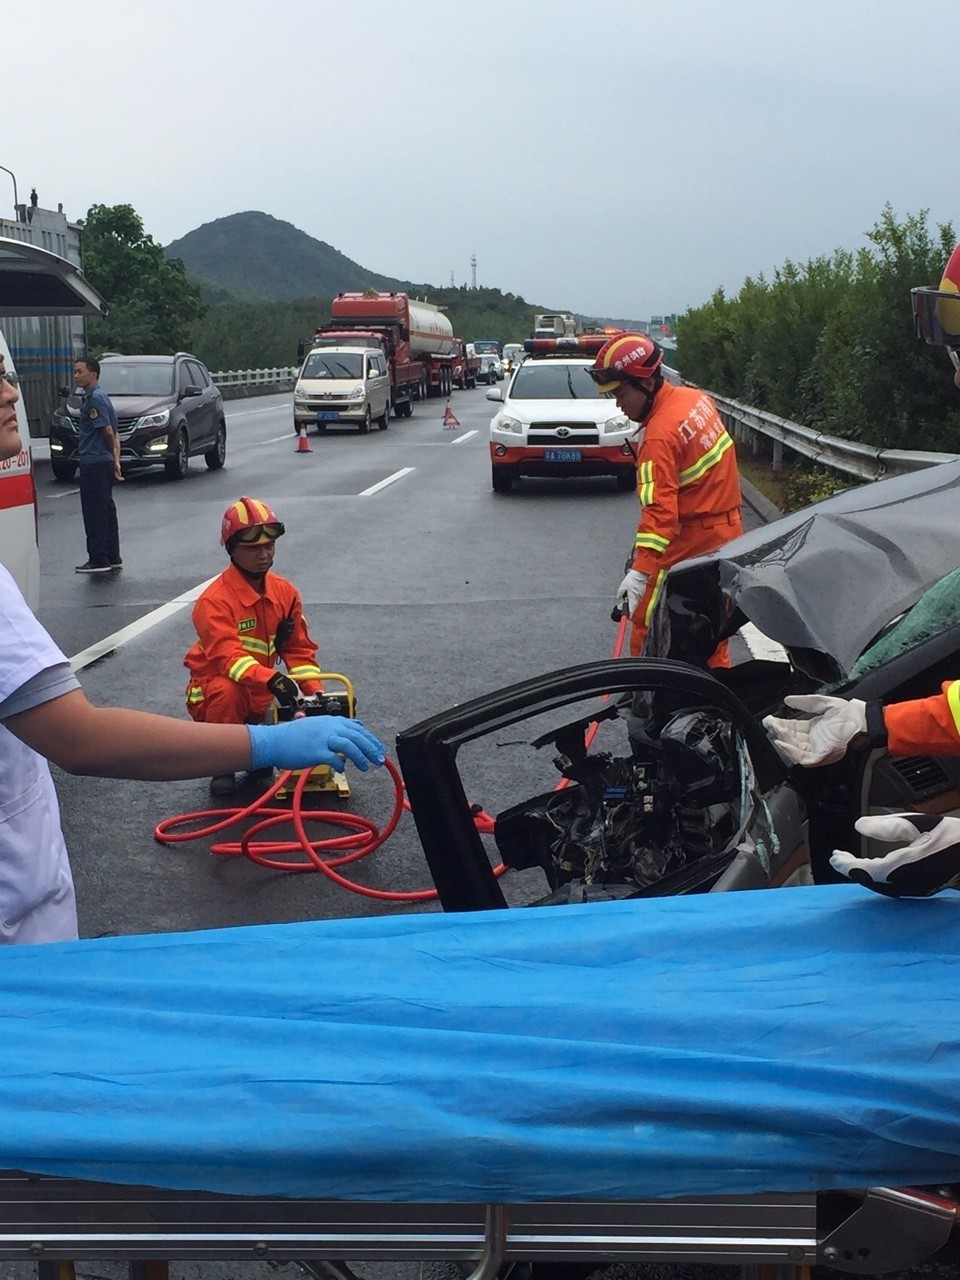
99 459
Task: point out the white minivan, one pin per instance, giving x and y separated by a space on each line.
33 282
346 385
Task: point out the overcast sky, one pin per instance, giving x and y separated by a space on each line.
615 157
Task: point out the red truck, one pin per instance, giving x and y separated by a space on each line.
466 364
416 338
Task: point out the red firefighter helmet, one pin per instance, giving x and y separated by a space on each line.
251 521
627 356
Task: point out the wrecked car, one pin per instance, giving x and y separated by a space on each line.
663 780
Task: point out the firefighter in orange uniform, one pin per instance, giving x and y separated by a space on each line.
247 621
687 478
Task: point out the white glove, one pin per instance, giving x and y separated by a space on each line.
928 863
631 589
823 739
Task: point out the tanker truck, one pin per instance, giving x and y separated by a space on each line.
416 339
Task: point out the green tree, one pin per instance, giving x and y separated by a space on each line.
831 344
152 301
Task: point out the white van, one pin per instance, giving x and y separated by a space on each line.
345 385
33 282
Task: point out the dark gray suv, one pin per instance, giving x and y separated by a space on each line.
168 408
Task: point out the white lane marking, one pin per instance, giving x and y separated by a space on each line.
109 643
275 408
466 436
375 488
65 493
762 646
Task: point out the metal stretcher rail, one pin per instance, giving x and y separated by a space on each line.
880 1229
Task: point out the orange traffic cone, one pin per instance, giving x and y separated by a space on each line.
302 446
450 419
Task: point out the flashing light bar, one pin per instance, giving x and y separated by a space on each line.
588 343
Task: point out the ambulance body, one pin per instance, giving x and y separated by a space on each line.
33 282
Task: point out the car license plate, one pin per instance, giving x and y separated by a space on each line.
562 455
327 415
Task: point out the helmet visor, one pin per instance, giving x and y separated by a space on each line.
260 533
936 314
605 379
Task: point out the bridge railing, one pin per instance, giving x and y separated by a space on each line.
867 462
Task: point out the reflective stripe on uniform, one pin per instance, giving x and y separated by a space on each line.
307 671
237 670
645 483
652 540
953 702
708 461
654 597
194 695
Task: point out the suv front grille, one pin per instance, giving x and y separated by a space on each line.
546 433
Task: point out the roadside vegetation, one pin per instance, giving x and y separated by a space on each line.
831 344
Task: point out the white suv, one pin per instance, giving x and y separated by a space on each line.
552 422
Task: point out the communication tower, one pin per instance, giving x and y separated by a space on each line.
473 269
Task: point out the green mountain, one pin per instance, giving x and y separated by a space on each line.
255 257
268 284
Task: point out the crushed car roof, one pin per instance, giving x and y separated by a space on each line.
830 577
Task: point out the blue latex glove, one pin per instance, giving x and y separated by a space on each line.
313 740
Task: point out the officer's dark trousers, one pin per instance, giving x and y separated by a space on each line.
99 513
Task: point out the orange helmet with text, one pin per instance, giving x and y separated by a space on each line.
628 356
249 521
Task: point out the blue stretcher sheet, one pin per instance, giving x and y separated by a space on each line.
789 1040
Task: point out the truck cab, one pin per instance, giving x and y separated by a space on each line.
343 384
33 282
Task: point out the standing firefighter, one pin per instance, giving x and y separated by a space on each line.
687 478
247 621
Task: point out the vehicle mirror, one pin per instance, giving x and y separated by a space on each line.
495 393
191 391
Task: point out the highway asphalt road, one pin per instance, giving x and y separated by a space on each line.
420 584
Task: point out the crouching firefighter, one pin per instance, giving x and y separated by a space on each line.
687 478
248 621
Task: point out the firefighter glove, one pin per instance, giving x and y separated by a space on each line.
822 739
631 589
312 740
285 689
927 863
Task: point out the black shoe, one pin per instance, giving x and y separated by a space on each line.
260 775
224 784
116 564
89 567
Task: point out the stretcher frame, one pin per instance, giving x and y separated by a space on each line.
46 1220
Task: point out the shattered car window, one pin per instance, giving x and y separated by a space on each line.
935 611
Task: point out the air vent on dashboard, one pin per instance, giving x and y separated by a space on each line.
922 774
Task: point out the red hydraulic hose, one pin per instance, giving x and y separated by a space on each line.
363 836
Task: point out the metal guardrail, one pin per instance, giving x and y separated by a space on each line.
254 377
867 462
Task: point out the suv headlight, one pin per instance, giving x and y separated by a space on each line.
358 392
504 423
160 419
619 422
299 393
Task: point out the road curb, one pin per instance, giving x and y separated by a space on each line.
762 505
